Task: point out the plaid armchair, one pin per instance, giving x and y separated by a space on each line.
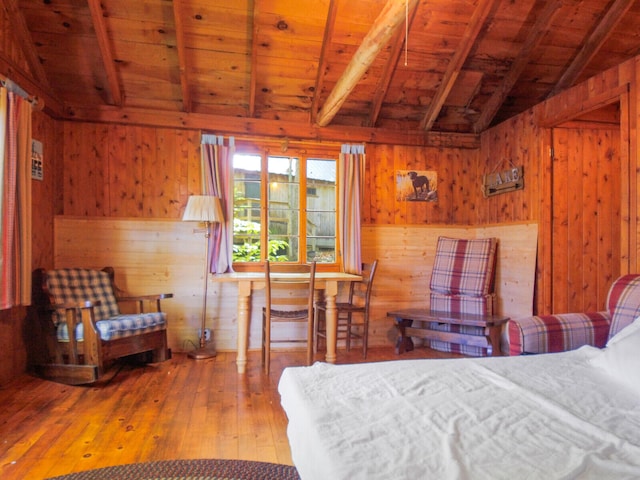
86 302
463 281
568 331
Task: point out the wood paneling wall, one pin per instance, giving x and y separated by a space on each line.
458 186
124 171
129 171
154 256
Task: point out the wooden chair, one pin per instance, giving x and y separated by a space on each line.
83 328
288 299
358 302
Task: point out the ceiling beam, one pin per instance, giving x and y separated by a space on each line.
533 40
97 18
390 68
469 37
390 18
182 56
25 42
330 24
263 127
591 46
52 106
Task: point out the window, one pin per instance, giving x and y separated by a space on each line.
294 194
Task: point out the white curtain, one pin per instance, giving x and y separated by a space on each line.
351 172
217 180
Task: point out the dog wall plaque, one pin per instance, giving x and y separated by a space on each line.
503 182
416 186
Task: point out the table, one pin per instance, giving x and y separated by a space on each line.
491 326
249 281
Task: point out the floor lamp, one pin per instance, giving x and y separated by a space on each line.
204 209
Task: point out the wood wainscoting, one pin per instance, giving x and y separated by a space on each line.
165 256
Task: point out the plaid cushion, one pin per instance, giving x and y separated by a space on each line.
623 302
119 326
464 267
557 333
470 350
482 305
75 285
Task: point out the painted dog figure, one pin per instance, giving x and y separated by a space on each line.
420 182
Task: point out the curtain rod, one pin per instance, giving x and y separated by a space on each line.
18 90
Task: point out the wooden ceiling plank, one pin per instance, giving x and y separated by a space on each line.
178 18
105 50
591 46
471 33
389 70
253 78
382 30
26 42
322 64
535 36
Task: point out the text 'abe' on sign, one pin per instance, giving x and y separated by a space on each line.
504 181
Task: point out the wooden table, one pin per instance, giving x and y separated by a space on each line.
249 281
491 326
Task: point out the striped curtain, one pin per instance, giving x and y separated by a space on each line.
217 175
15 200
351 173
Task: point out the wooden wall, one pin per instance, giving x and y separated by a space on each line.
128 171
119 171
153 256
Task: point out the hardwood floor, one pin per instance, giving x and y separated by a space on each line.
178 409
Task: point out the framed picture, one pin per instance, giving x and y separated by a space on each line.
37 172
416 186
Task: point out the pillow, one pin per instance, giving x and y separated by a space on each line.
621 357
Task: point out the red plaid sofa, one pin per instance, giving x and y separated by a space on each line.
568 331
463 281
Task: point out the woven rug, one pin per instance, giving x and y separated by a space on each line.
205 469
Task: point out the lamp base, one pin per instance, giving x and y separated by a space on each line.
201 353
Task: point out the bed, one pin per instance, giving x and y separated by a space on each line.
573 414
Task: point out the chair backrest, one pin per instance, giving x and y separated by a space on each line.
360 292
464 266
289 287
76 285
623 302
463 276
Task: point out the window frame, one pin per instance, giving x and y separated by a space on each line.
303 152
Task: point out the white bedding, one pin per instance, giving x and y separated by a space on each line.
553 416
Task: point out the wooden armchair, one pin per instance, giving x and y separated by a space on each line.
83 329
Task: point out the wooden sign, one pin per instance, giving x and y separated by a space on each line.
502 182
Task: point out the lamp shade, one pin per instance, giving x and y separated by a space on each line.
203 208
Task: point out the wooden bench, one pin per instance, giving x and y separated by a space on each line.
406 319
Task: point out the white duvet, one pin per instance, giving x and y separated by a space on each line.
552 416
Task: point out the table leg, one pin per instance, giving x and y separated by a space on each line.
244 300
403 343
493 349
330 292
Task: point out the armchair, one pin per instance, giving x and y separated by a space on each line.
568 331
83 328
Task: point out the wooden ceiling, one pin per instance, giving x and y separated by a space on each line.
466 64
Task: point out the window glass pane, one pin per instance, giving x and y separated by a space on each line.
246 208
284 208
321 210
